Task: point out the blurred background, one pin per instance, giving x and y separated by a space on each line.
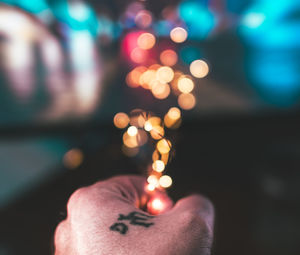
67 67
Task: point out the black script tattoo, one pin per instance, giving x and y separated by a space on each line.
134 218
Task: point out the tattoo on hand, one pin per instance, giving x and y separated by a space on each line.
134 218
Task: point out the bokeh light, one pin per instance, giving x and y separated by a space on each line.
157 132
148 126
158 166
165 181
143 19
178 34
133 78
164 157
152 179
147 78
132 131
185 85
174 113
199 68
163 146
146 41
157 205
165 74
173 118
138 55
150 187
168 57
187 101
160 90
130 141
121 120
73 158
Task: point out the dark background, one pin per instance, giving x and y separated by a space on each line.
240 146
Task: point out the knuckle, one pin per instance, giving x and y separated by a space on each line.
77 198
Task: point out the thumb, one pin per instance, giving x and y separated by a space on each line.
198 205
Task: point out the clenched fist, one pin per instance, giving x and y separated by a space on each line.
107 219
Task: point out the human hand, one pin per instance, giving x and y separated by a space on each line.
106 219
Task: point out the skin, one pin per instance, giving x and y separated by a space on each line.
97 215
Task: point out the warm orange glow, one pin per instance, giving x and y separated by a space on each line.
154 67
199 68
158 166
172 123
148 126
174 82
133 78
147 78
137 118
150 187
153 180
135 141
168 57
132 131
160 90
138 55
130 141
157 205
174 113
178 34
172 118
187 101
73 158
185 85
165 181
163 157
165 74
121 120
143 19
155 121
146 41
163 146
157 132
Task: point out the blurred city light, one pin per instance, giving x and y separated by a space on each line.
121 120
165 181
187 101
199 68
168 57
73 158
178 34
146 41
185 85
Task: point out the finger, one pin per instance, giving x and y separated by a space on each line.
196 205
131 189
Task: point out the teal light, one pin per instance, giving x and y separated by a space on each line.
199 19
76 16
270 24
275 75
34 7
